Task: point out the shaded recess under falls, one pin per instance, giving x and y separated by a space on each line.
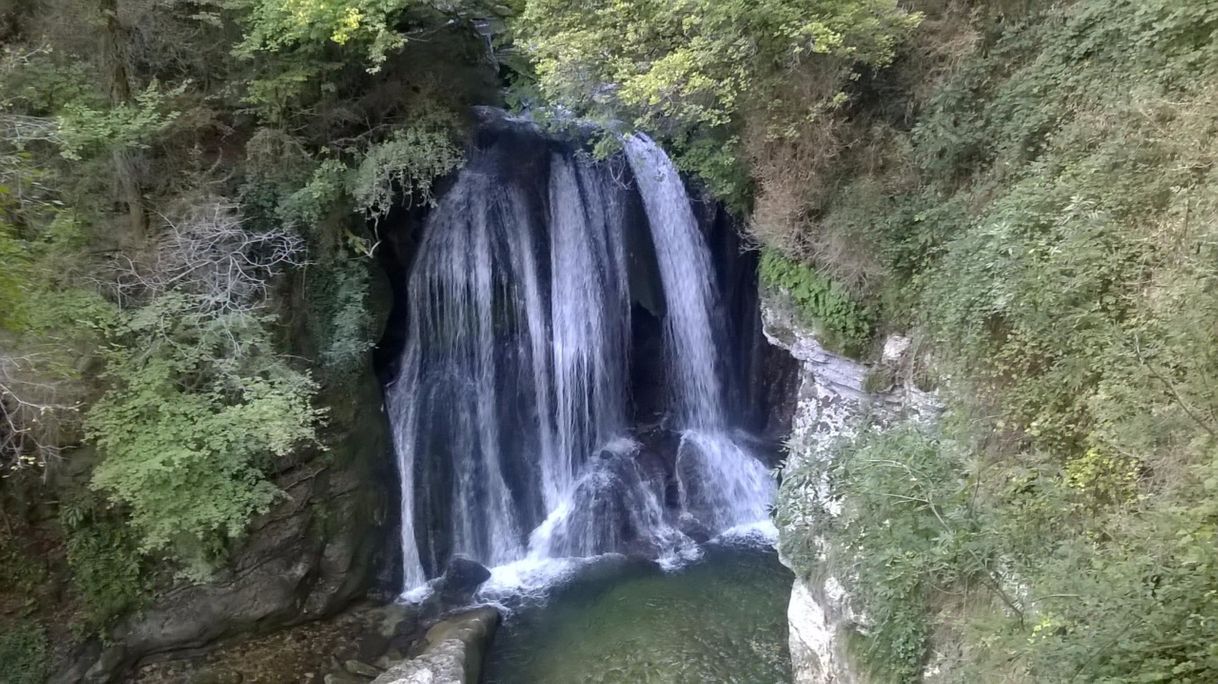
574 366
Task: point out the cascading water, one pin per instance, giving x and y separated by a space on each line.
510 407
474 270
591 319
721 484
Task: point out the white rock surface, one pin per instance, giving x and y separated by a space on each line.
812 636
831 403
895 348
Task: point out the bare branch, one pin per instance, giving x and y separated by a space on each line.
19 130
208 253
35 420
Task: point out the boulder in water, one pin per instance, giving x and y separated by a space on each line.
461 580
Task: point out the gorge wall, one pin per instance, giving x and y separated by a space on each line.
306 559
833 399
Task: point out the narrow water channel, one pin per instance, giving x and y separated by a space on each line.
720 620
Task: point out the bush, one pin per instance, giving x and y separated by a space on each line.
403 167
902 527
24 651
841 323
197 407
105 560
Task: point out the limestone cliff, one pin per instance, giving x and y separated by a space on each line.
832 399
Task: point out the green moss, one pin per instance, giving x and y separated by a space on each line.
842 324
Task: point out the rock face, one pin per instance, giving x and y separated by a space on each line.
307 558
831 400
461 580
452 653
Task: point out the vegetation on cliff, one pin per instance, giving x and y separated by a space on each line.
175 179
1030 187
1036 198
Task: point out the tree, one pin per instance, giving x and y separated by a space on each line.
114 40
698 71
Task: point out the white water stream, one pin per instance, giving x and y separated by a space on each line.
510 408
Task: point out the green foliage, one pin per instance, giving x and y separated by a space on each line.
197 406
39 84
699 70
396 171
86 130
903 526
696 61
25 652
12 255
309 206
405 165
275 25
842 323
1137 604
105 560
285 105
20 572
49 318
717 162
346 333
373 27
1051 227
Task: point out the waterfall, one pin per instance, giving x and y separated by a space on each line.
721 484
591 320
476 257
510 408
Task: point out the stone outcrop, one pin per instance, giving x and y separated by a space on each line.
834 396
452 652
307 558
461 580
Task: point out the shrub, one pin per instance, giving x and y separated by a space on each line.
24 651
902 527
843 324
404 166
197 406
105 560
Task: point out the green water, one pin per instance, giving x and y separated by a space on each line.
721 620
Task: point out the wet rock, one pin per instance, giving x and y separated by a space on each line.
453 651
694 529
355 667
461 580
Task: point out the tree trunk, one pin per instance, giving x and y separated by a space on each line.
128 191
